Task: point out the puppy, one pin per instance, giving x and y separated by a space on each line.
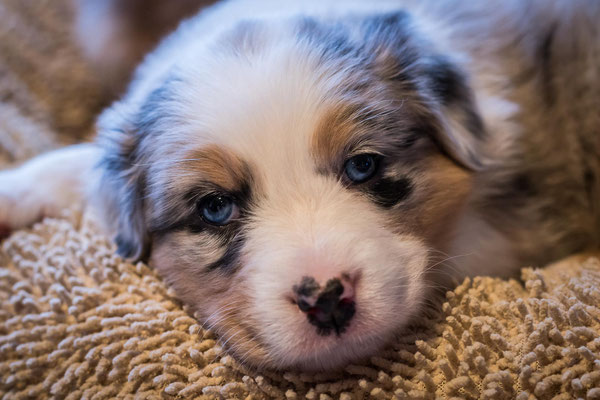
303 174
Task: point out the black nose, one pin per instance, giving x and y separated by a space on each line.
326 307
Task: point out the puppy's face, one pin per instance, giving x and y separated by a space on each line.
291 185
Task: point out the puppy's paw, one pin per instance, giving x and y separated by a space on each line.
20 205
27 197
46 185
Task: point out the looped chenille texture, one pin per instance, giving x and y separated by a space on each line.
77 321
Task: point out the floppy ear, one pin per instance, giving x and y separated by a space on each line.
407 59
461 132
120 191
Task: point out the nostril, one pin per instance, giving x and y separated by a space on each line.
334 288
303 305
307 287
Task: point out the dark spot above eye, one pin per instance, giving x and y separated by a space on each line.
388 192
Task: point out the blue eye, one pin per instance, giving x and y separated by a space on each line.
361 168
218 209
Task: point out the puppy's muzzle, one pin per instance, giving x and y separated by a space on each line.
330 308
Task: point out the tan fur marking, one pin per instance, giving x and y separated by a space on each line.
448 187
218 166
334 133
442 189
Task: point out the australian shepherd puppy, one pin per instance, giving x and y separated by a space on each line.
299 171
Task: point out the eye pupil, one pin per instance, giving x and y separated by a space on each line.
361 168
362 164
217 203
217 209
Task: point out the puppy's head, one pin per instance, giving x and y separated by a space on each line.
291 182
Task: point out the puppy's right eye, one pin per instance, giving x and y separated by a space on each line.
361 168
218 209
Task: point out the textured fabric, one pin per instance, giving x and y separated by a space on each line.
76 321
79 322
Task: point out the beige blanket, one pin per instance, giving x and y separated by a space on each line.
76 321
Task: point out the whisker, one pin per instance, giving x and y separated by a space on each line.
244 357
225 310
448 259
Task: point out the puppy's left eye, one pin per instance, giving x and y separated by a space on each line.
361 168
218 209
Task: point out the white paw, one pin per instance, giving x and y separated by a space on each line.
27 197
45 185
20 205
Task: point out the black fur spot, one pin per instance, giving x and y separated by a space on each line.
388 192
450 87
447 83
230 259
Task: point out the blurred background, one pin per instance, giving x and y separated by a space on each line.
62 61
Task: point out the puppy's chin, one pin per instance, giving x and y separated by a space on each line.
330 354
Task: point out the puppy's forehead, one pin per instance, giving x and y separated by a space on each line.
282 106
264 108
